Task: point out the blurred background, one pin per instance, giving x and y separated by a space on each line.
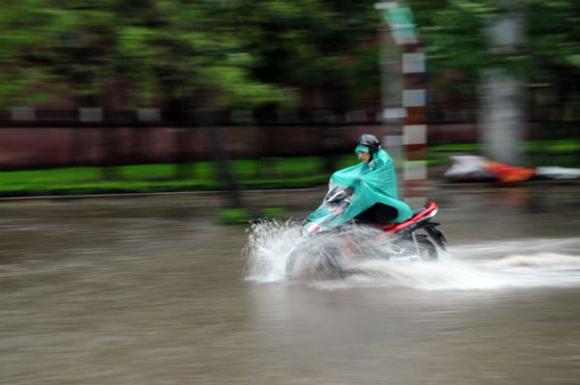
137 96
230 110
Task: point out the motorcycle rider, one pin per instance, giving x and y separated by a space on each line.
384 181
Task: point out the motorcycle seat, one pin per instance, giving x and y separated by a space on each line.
418 210
418 215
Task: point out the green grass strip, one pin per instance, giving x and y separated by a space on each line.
267 173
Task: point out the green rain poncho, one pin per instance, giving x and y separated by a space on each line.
374 182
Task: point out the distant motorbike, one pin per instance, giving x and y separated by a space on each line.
415 239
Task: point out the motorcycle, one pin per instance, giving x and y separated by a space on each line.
415 239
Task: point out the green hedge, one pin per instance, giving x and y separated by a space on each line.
282 173
251 174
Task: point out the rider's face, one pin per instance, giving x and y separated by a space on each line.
364 157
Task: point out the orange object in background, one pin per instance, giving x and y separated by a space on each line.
507 174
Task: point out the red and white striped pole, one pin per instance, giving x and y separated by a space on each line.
413 99
415 127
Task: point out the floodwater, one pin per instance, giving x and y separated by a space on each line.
154 291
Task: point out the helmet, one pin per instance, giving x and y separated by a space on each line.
369 141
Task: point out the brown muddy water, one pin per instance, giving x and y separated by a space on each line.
154 291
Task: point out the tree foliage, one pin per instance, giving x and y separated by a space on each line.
327 45
246 53
214 53
455 35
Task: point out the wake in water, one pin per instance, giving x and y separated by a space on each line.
275 249
486 266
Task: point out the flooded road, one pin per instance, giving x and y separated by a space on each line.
154 291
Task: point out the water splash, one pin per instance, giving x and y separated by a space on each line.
275 249
486 266
269 245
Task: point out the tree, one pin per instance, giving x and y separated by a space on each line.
175 53
456 40
462 37
325 50
326 46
